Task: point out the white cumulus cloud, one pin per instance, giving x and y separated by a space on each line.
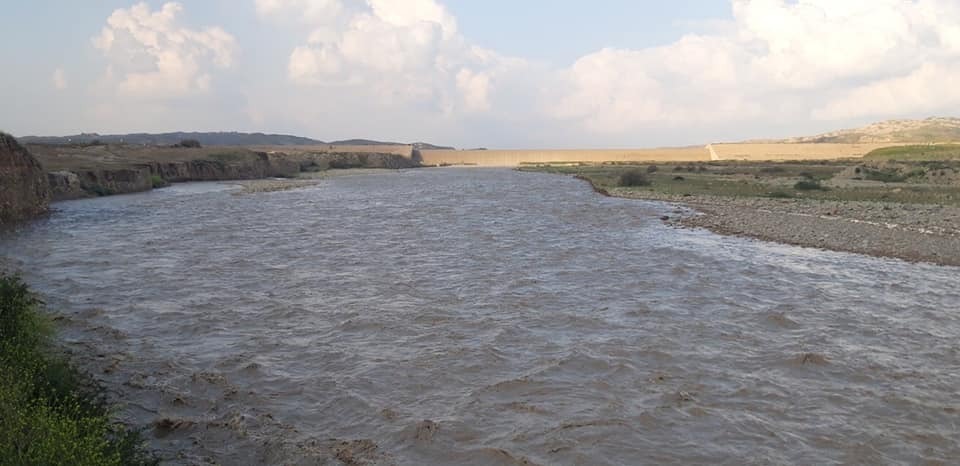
393 51
772 64
59 79
816 59
152 55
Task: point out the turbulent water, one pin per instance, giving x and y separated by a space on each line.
468 316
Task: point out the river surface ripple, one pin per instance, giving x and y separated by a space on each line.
470 316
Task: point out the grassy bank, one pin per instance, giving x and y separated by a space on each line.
913 182
50 413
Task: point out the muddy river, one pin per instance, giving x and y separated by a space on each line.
472 316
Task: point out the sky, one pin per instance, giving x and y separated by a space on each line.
468 73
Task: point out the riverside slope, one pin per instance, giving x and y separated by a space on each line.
24 192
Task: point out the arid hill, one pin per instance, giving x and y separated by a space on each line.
231 138
930 130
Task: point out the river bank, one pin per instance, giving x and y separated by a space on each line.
917 233
824 205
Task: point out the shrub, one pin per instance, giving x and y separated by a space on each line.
653 169
50 413
188 143
885 176
634 178
808 185
157 181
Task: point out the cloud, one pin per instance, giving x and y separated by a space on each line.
772 63
924 90
818 59
59 79
393 52
151 55
307 10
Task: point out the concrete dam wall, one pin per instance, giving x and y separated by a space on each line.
513 158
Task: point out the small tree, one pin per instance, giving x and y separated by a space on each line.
189 143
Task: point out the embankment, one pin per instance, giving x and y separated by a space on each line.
748 151
513 158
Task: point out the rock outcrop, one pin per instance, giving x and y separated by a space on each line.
65 185
24 191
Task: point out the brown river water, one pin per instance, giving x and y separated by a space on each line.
490 317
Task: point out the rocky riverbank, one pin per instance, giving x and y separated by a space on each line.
913 232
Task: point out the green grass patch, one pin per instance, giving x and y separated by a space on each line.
50 413
157 181
917 152
751 180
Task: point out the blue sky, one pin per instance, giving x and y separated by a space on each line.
496 73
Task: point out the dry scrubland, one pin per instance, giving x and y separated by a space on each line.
899 202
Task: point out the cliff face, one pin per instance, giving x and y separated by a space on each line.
102 170
259 165
24 191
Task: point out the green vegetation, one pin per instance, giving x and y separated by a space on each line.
158 182
884 176
633 178
50 413
814 180
917 153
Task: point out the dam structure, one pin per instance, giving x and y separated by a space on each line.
711 152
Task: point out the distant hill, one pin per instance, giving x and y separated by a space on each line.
209 139
929 130
367 142
166 139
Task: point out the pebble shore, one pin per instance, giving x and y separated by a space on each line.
916 233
